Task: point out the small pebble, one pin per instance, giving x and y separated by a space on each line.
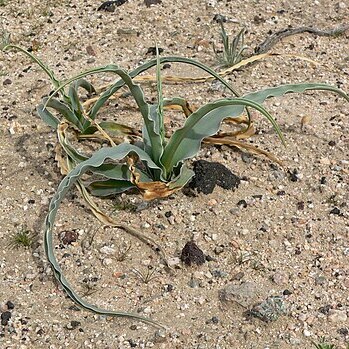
107 250
5 317
335 315
7 82
280 278
335 211
10 305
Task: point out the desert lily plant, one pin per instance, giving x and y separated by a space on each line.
232 52
156 163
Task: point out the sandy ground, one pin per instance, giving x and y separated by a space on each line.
289 238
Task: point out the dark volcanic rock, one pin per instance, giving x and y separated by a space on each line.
210 174
109 6
5 317
192 254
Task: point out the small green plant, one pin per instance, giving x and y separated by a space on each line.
154 162
323 344
232 50
120 205
147 275
22 238
3 2
123 249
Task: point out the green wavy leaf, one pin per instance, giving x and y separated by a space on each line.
115 153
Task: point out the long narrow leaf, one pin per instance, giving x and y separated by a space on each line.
55 82
63 109
115 153
47 117
146 66
205 122
104 188
261 96
155 139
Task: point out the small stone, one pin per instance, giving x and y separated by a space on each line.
341 5
325 161
67 237
149 3
245 294
212 202
10 305
320 280
73 325
280 278
335 211
90 51
107 261
293 175
160 336
109 6
343 331
210 174
173 261
5 317
90 60
218 249
192 254
168 288
193 283
107 250
126 31
215 320
171 220
7 82
242 203
325 309
307 333
335 315
246 158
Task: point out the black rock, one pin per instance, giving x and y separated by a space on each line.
109 6
152 50
293 175
210 174
219 18
148 3
5 316
168 288
192 254
335 210
7 82
343 331
215 319
73 325
325 309
242 203
10 305
67 237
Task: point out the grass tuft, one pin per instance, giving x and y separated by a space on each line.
22 238
232 50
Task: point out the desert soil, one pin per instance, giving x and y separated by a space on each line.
283 233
